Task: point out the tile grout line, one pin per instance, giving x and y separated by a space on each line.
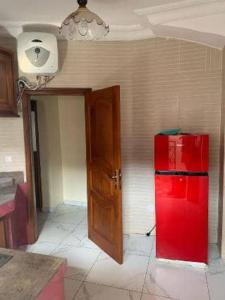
120 288
207 285
112 286
153 294
142 291
61 242
58 246
83 280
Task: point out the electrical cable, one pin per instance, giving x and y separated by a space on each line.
23 84
150 231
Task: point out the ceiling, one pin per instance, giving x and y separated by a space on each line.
202 21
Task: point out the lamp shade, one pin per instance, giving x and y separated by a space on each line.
83 24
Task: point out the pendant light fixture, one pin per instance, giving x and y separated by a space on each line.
83 24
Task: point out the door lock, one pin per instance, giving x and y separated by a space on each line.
117 178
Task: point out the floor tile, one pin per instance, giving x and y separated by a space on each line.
216 284
176 282
154 297
138 244
64 208
63 232
216 274
89 291
72 216
86 243
41 248
71 240
71 287
79 238
216 264
130 275
79 260
213 252
81 231
54 233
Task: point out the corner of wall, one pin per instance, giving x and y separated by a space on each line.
221 225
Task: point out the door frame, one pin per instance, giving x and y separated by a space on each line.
32 232
36 157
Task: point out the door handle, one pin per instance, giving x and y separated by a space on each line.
117 178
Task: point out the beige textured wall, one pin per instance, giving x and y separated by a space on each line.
50 151
73 149
164 83
11 134
222 170
12 145
177 84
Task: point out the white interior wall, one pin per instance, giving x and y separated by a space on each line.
62 150
50 151
73 149
12 153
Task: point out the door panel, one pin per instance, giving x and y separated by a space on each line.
8 106
182 217
104 175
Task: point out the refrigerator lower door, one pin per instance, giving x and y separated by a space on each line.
182 217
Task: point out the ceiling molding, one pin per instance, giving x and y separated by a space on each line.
126 34
207 39
170 6
182 10
128 28
199 21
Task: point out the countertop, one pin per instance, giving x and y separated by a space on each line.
6 198
8 187
25 275
7 201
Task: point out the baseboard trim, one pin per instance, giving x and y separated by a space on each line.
75 203
49 209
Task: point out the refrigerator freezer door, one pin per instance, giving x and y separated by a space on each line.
182 217
187 153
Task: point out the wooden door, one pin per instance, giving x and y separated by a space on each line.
104 170
7 84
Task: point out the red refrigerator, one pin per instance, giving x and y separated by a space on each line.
181 197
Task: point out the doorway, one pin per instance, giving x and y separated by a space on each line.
104 184
62 152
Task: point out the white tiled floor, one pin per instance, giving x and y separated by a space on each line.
94 275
